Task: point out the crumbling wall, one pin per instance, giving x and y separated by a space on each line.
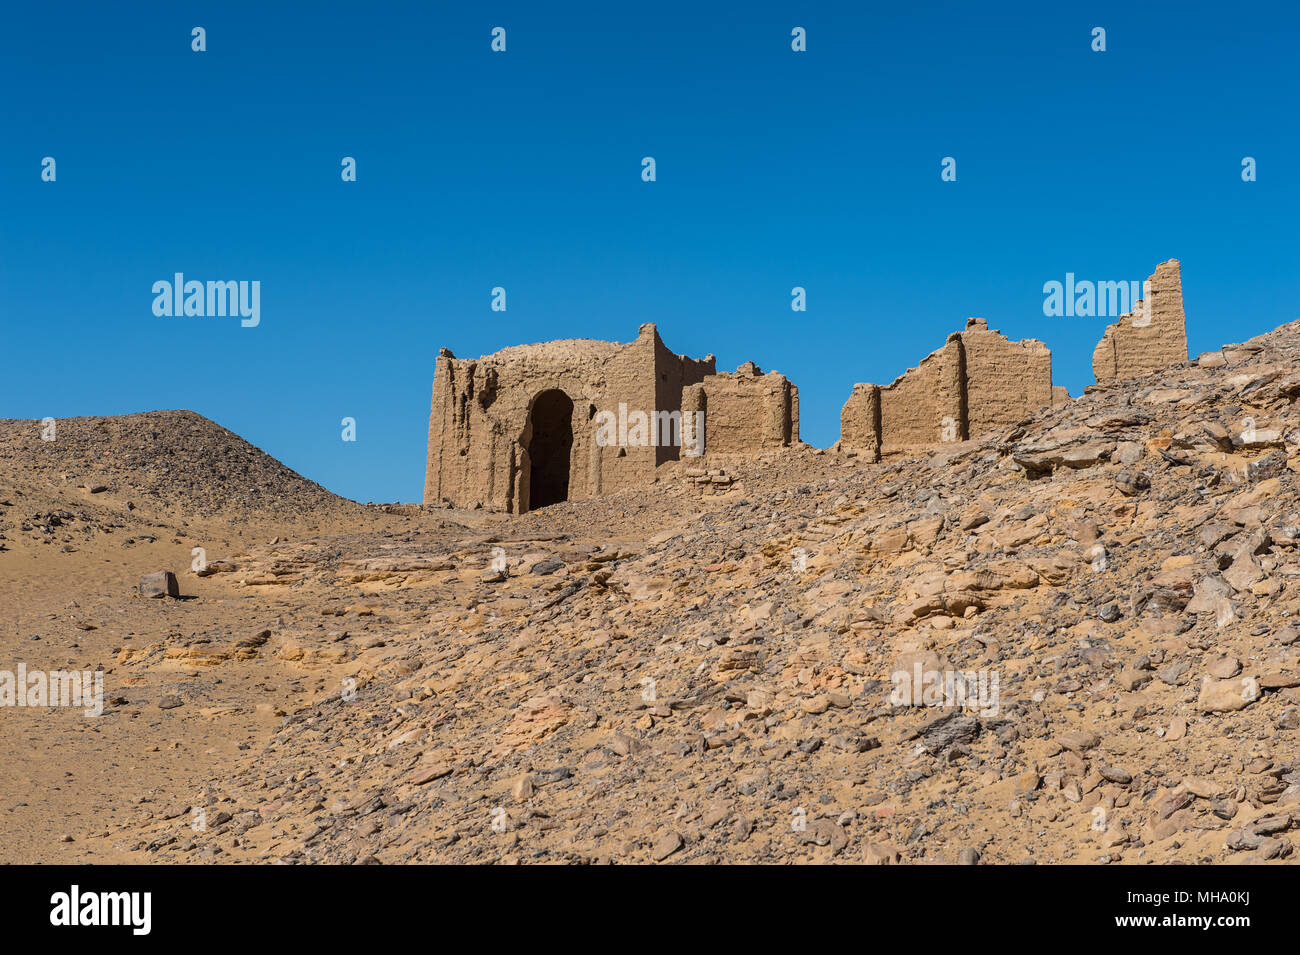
480 424
925 403
480 416
630 381
860 422
745 411
673 374
977 382
1006 381
1151 337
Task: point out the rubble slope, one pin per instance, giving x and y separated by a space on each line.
1104 592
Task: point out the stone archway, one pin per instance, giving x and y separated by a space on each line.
550 450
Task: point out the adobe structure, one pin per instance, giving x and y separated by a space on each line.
744 411
977 382
533 425
1151 337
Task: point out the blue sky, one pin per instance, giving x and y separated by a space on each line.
523 170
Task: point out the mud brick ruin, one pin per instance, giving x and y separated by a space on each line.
518 429
745 411
1150 338
977 382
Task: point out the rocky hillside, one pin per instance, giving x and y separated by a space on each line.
160 465
1070 642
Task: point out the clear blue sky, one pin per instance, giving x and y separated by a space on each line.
522 169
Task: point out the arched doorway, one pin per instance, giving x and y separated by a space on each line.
550 449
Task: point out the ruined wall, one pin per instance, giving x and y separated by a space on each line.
1151 337
630 381
481 416
745 411
462 439
860 422
480 426
1006 381
917 406
977 382
673 374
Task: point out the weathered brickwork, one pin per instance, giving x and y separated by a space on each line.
536 424
1151 337
977 382
533 425
745 411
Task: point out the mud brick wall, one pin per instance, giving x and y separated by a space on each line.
977 382
860 421
1151 337
913 408
528 414
745 411
1006 381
